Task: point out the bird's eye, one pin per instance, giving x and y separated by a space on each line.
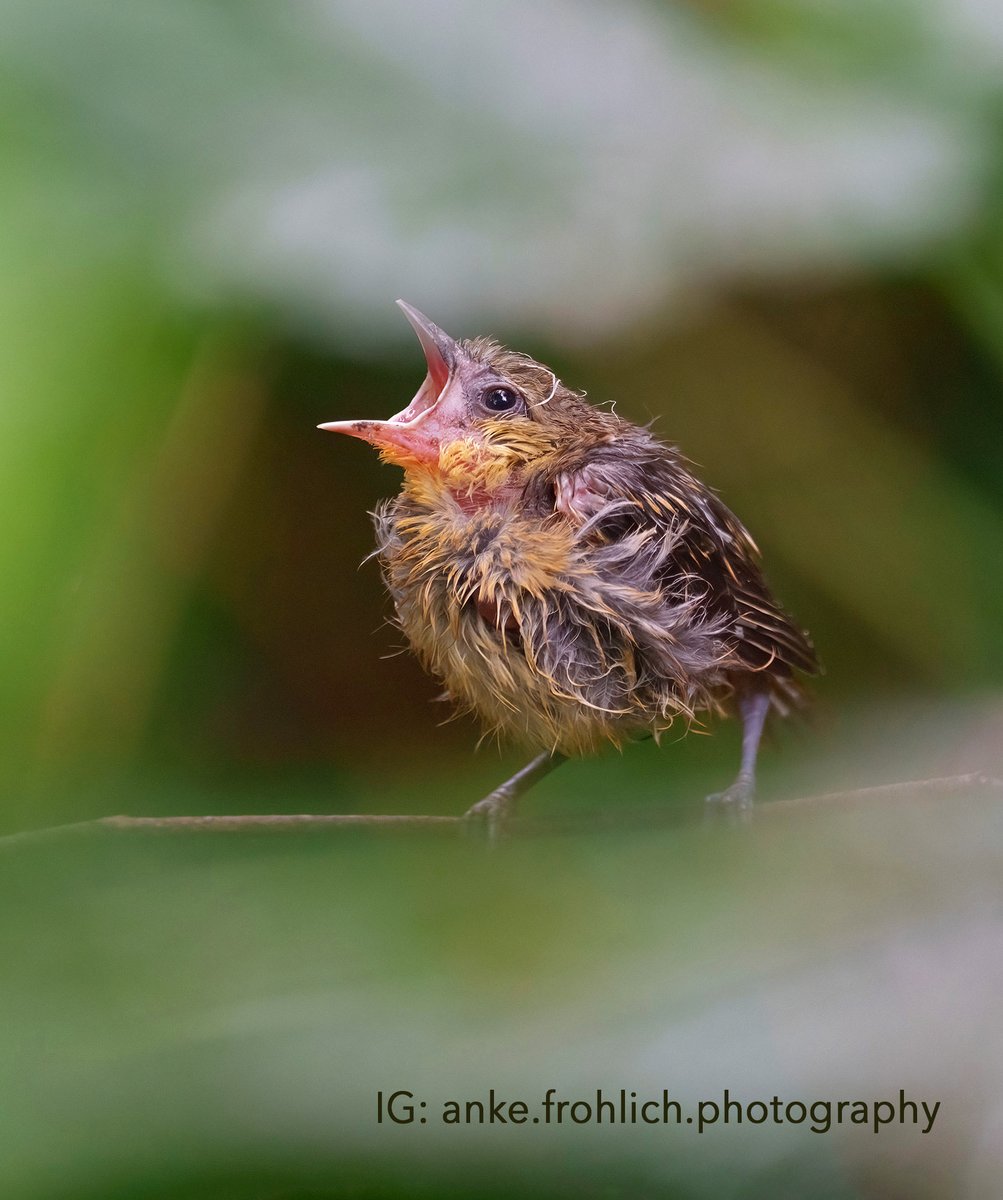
500 399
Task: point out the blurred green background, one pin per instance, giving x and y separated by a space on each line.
774 227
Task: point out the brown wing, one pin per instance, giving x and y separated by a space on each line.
641 482
722 553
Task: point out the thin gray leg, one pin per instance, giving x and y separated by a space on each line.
500 804
753 710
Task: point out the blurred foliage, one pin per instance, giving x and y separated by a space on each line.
774 227
198 1016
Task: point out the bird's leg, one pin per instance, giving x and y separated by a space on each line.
753 710
500 804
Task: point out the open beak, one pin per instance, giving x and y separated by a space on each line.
415 434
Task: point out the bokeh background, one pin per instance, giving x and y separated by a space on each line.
773 227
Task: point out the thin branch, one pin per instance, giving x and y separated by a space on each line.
313 822
247 824
909 790
278 823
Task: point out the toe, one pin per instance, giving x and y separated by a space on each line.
739 795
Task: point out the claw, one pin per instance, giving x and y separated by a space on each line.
733 806
739 795
498 806
495 810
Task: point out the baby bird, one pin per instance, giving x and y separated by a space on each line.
564 573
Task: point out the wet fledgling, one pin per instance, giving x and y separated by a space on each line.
564 573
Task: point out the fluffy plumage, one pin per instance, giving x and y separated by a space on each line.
561 570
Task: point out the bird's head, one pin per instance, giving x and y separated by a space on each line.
482 413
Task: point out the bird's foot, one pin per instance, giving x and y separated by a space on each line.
734 804
494 810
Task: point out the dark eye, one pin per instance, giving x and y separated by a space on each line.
500 399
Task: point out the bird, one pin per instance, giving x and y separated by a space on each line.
565 574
